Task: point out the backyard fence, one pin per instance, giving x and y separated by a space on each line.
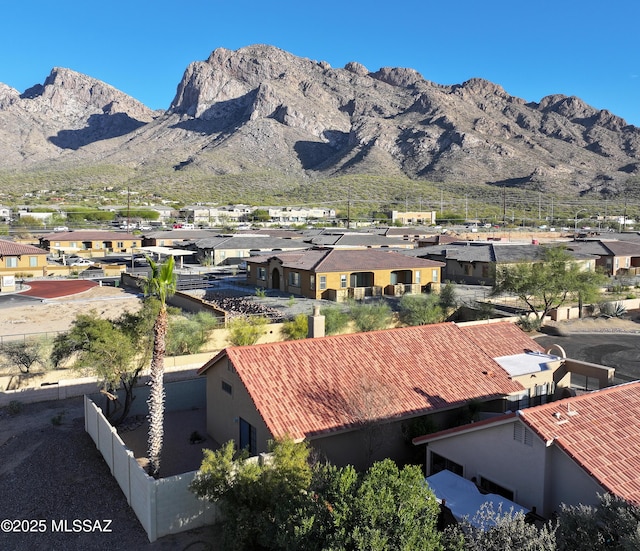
164 506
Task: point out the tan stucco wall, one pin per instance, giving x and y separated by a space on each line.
381 278
224 410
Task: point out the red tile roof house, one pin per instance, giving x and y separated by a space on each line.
352 395
566 451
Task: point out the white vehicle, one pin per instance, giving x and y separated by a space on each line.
58 229
81 262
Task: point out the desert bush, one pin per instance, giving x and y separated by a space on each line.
295 329
335 319
371 316
245 331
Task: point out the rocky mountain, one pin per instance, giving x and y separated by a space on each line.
262 109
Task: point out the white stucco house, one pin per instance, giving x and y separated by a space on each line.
567 451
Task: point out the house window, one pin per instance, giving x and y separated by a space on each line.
440 463
434 276
120 244
468 269
294 279
247 437
485 271
492 488
262 273
226 387
343 281
33 261
312 282
73 245
12 262
417 276
323 283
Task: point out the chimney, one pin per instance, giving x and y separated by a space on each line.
315 323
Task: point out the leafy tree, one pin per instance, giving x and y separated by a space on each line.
25 354
245 331
614 524
371 316
335 319
499 531
189 334
296 329
107 350
284 503
393 509
161 284
257 500
420 309
549 283
260 215
447 298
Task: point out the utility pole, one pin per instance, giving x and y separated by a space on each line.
504 206
349 206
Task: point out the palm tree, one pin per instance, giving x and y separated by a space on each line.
161 284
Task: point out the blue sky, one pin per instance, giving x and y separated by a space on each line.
578 48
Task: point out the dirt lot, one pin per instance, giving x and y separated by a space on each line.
57 314
52 471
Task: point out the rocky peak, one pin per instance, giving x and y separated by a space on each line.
73 95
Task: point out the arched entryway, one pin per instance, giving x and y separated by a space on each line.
275 279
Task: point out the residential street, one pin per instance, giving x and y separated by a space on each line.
619 350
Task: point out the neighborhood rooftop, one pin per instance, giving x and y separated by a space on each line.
315 386
600 431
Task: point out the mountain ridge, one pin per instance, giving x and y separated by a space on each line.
261 109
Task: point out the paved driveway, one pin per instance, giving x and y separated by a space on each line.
619 350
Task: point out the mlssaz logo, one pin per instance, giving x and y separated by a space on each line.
81 525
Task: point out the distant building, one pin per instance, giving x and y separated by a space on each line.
427 217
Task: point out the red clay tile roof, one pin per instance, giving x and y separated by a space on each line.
501 339
9 248
315 386
602 435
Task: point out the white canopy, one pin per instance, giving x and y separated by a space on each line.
464 499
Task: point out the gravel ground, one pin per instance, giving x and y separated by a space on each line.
53 472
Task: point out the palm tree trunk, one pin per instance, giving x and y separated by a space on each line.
156 394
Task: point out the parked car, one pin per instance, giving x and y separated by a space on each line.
81 262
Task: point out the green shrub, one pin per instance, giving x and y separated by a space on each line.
295 329
245 331
335 319
420 309
371 316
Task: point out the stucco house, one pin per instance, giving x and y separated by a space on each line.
340 274
615 257
567 451
476 262
220 250
90 242
341 239
16 259
356 396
